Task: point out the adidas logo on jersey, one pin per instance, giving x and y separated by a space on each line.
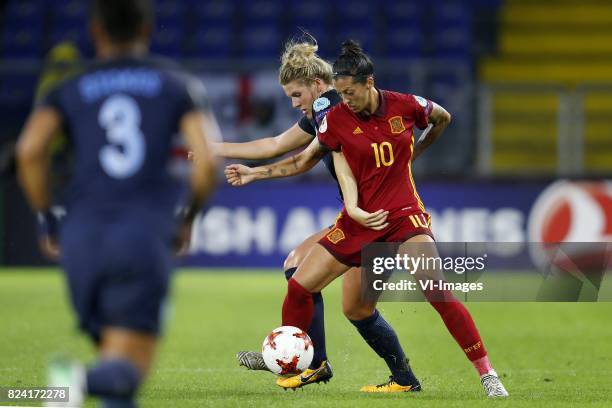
357 131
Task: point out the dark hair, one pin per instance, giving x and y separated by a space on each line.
353 62
123 19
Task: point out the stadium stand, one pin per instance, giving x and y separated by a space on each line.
568 47
410 39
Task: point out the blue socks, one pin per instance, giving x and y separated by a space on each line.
382 338
115 381
317 327
317 331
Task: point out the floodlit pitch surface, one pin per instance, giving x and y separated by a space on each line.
548 354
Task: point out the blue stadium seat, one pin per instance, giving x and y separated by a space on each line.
402 12
68 9
403 22
69 22
452 30
403 41
170 27
21 41
357 22
211 41
451 10
168 38
444 88
486 3
17 90
452 42
260 41
313 17
319 31
362 33
399 82
354 12
75 31
212 11
29 12
22 31
213 35
261 11
311 12
170 10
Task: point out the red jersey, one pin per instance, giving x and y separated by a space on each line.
378 149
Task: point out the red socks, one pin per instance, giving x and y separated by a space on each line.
459 323
298 306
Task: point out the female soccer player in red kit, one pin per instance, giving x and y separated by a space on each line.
372 137
307 80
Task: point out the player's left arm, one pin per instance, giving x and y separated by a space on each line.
33 157
438 120
350 193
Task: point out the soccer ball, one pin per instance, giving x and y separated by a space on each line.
287 350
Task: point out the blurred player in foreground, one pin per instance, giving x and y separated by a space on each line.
116 242
307 80
372 137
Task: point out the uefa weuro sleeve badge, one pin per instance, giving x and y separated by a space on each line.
320 104
422 101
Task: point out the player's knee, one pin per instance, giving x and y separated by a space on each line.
294 259
289 261
358 311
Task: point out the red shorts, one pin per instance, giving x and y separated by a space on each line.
347 237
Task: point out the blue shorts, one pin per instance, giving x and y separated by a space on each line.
118 273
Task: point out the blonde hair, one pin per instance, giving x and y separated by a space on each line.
301 62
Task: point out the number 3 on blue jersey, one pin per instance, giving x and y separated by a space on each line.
124 155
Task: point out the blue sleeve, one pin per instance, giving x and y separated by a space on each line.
306 126
52 99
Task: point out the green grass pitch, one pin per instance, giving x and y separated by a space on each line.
548 354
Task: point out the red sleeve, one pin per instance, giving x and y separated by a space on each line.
420 108
327 136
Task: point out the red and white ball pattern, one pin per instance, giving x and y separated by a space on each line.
287 350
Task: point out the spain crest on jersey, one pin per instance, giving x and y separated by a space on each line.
397 124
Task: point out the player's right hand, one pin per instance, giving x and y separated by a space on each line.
182 239
49 247
47 228
376 220
239 175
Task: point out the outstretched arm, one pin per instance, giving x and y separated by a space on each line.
438 119
239 175
265 148
348 185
